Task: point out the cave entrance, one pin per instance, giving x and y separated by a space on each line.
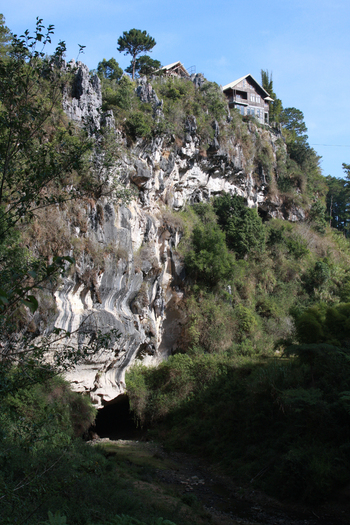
116 421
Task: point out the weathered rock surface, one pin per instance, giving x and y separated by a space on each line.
84 101
138 290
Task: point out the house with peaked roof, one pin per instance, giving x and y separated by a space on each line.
176 69
249 97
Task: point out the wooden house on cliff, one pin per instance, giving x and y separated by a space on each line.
249 97
176 69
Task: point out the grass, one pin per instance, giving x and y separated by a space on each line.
141 454
140 464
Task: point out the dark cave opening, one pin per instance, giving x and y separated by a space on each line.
116 421
263 214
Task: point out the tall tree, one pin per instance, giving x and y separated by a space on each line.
292 119
135 42
338 201
5 37
276 105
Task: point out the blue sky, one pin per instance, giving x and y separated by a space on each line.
304 43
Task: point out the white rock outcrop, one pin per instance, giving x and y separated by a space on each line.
138 293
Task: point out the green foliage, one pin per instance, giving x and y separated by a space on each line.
317 276
276 105
119 96
122 519
170 385
39 156
282 424
44 487
324 324
337 200
128 520
209 260
182 100
42 162
300 169
245 307
109 69
36 149
303 167
212 325
276 415
243 226
135 42
283 235
44 413
317 216
56 519
144 65
139 125
214 101
292 120
5 38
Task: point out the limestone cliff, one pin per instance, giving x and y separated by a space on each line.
138 288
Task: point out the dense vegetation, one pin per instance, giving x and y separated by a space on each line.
261 381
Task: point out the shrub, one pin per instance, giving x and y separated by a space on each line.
243 226
139 124
47 412
209 261
324 324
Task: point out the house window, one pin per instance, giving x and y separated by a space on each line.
240 109
243 83
250 111
258 113
252 98
258 99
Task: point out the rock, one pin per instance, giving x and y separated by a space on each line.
198 79
135 285
147 94
108 120
84 101
215 126
191 126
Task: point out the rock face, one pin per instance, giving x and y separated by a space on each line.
138 289
84 101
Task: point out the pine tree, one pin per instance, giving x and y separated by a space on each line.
135 42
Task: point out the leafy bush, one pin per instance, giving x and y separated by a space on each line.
243 226
139 124
284 234
209 261
324 324
46 412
